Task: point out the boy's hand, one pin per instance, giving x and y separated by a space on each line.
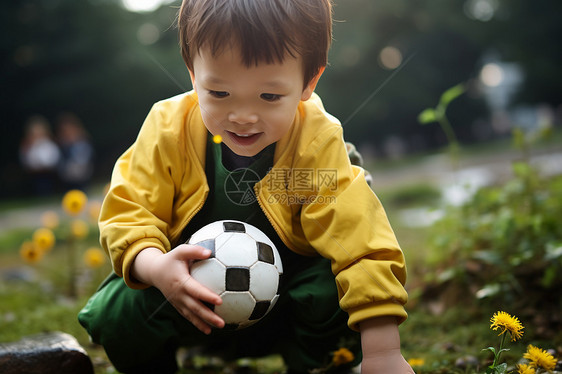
380 341
169 272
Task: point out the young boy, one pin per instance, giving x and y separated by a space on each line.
254 65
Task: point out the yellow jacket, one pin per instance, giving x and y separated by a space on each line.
317 202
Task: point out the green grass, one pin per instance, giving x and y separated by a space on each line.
13 239
28 309
33 307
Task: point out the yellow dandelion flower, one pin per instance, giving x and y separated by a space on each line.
525 369
94 257
217 139
416 362
539 358
342 356
30 253
50 219
506 322
74 202
79 228
43 239
94 209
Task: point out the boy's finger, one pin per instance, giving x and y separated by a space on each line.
199 323
200 300
205 313
191 252
200 292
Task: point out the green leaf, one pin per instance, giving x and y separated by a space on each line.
451 94
501 369
491 349
427 116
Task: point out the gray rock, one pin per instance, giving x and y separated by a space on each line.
54 352
466 362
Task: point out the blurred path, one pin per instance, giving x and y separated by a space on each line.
437 170
25 217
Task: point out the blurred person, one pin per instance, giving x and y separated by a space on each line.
77 163
39 155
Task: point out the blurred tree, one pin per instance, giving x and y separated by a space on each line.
90 58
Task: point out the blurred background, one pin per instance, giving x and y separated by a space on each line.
99 65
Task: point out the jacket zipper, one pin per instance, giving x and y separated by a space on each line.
277 229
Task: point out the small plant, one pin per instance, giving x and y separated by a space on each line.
438 114
506 324
537 359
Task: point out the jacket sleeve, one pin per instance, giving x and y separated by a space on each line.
137 211
349 226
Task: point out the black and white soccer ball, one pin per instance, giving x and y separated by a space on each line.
244 269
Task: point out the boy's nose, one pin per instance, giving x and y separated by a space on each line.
243 116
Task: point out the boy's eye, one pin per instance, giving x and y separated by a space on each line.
219 94
270 97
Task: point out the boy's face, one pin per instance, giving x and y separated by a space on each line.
249 107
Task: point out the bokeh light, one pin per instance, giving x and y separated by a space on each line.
142 5
491 75
481 10
390 57
148 33
217 139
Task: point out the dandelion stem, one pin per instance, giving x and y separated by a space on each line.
499 353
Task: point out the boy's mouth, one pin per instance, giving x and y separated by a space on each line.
244 139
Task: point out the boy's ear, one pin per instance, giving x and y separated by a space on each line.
309 89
